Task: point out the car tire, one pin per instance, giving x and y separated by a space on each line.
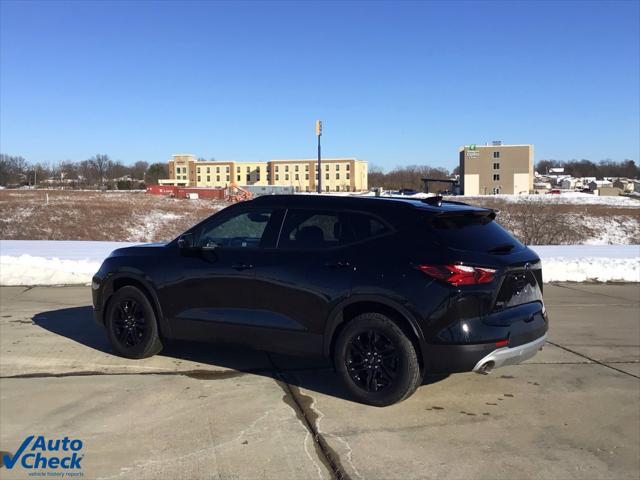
131 324
377 361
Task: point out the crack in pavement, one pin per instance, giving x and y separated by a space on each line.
199 374
594 360
631 302
300 403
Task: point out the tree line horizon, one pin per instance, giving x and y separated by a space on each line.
101 171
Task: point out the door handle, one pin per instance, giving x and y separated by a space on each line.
242 266
338 264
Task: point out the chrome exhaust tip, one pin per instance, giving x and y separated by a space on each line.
485 368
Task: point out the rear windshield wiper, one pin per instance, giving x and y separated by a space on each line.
504 248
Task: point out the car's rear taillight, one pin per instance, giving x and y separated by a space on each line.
458 275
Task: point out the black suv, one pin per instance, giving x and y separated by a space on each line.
388 288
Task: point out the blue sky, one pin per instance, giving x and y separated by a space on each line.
395 83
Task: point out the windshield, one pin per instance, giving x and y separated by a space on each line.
473 232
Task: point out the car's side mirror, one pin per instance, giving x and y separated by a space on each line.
185 241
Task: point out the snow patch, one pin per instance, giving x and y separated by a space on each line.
576 198
147 224
589 263
42 262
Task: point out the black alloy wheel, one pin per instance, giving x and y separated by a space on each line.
131 324
372 360
377 360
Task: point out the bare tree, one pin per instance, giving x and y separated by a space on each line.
138 170
13 170
155 172
101 163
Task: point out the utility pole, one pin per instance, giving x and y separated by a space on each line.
319 134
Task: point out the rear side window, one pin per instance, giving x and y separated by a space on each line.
477 233
313 229
365 226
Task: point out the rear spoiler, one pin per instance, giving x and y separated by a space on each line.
437 201
485 212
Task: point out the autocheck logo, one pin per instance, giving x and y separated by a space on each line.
40 453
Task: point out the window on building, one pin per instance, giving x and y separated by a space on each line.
239 177
348 175
277 177
496 176
208 178
198 169
237 169
327 176
217 169
227 169
277 168
496 154
248 178
248 169
208 170
286 168
327 189
286 177
348 167
306 176
297 176
337 176
348 188
337 188
496 166
228 178
297 168
217 178
496 190
198 177
326 167
337 166
306 168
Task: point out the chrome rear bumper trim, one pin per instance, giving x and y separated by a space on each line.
509 355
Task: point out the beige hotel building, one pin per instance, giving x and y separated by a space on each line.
338 174
495 169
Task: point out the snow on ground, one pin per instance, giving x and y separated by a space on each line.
42 262
582 263
146 224
577 198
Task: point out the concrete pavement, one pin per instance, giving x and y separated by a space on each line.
202 411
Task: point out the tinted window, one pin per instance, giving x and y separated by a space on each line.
313 229
365 226
243 230
473 233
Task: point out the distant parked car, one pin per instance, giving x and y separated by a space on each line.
390 289
407 191
554 191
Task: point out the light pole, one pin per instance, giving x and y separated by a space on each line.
319 134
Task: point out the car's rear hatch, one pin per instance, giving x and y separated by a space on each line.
474 238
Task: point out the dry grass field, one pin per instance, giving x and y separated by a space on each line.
87 215
545 221
136 216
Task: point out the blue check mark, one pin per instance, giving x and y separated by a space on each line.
8 461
